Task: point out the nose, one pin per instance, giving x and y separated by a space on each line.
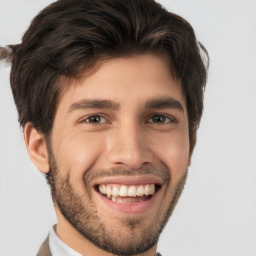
128 146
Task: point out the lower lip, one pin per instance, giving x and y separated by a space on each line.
134 208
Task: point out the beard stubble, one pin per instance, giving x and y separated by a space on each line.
131 239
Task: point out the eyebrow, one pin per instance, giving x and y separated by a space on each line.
162 103
93 103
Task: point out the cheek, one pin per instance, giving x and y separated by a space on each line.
174 152
76 154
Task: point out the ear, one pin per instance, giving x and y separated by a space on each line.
36 147
189 161
192 139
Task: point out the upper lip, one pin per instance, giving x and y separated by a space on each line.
129 180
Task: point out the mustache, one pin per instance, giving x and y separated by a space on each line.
162 173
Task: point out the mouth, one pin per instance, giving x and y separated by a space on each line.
128 194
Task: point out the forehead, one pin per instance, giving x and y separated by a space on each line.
125 79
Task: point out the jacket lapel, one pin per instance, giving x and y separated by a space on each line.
45 249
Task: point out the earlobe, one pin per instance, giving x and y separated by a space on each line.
36 147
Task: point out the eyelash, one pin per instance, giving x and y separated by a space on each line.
93 116
163 116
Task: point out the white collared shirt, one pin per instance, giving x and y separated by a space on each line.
58 247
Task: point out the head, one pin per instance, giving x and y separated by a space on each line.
79 48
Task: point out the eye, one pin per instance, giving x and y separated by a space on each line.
95 119
161 119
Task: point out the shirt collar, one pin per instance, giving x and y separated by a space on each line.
58 247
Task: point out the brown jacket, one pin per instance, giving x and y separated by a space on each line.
45 249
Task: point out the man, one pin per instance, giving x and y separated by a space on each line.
110 96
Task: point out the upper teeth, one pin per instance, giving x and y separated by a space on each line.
125 190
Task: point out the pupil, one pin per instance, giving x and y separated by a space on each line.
95 119
158 119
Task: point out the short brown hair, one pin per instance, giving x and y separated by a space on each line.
70 36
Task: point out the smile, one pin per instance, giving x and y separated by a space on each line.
126 194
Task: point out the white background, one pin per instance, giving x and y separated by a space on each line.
216 215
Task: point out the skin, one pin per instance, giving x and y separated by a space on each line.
133 141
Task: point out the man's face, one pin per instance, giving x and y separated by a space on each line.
120 151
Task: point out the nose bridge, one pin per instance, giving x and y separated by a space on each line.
128 145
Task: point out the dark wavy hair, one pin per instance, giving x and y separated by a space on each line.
69 37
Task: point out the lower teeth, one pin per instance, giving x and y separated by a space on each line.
129 200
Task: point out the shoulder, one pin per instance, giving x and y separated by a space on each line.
44 249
